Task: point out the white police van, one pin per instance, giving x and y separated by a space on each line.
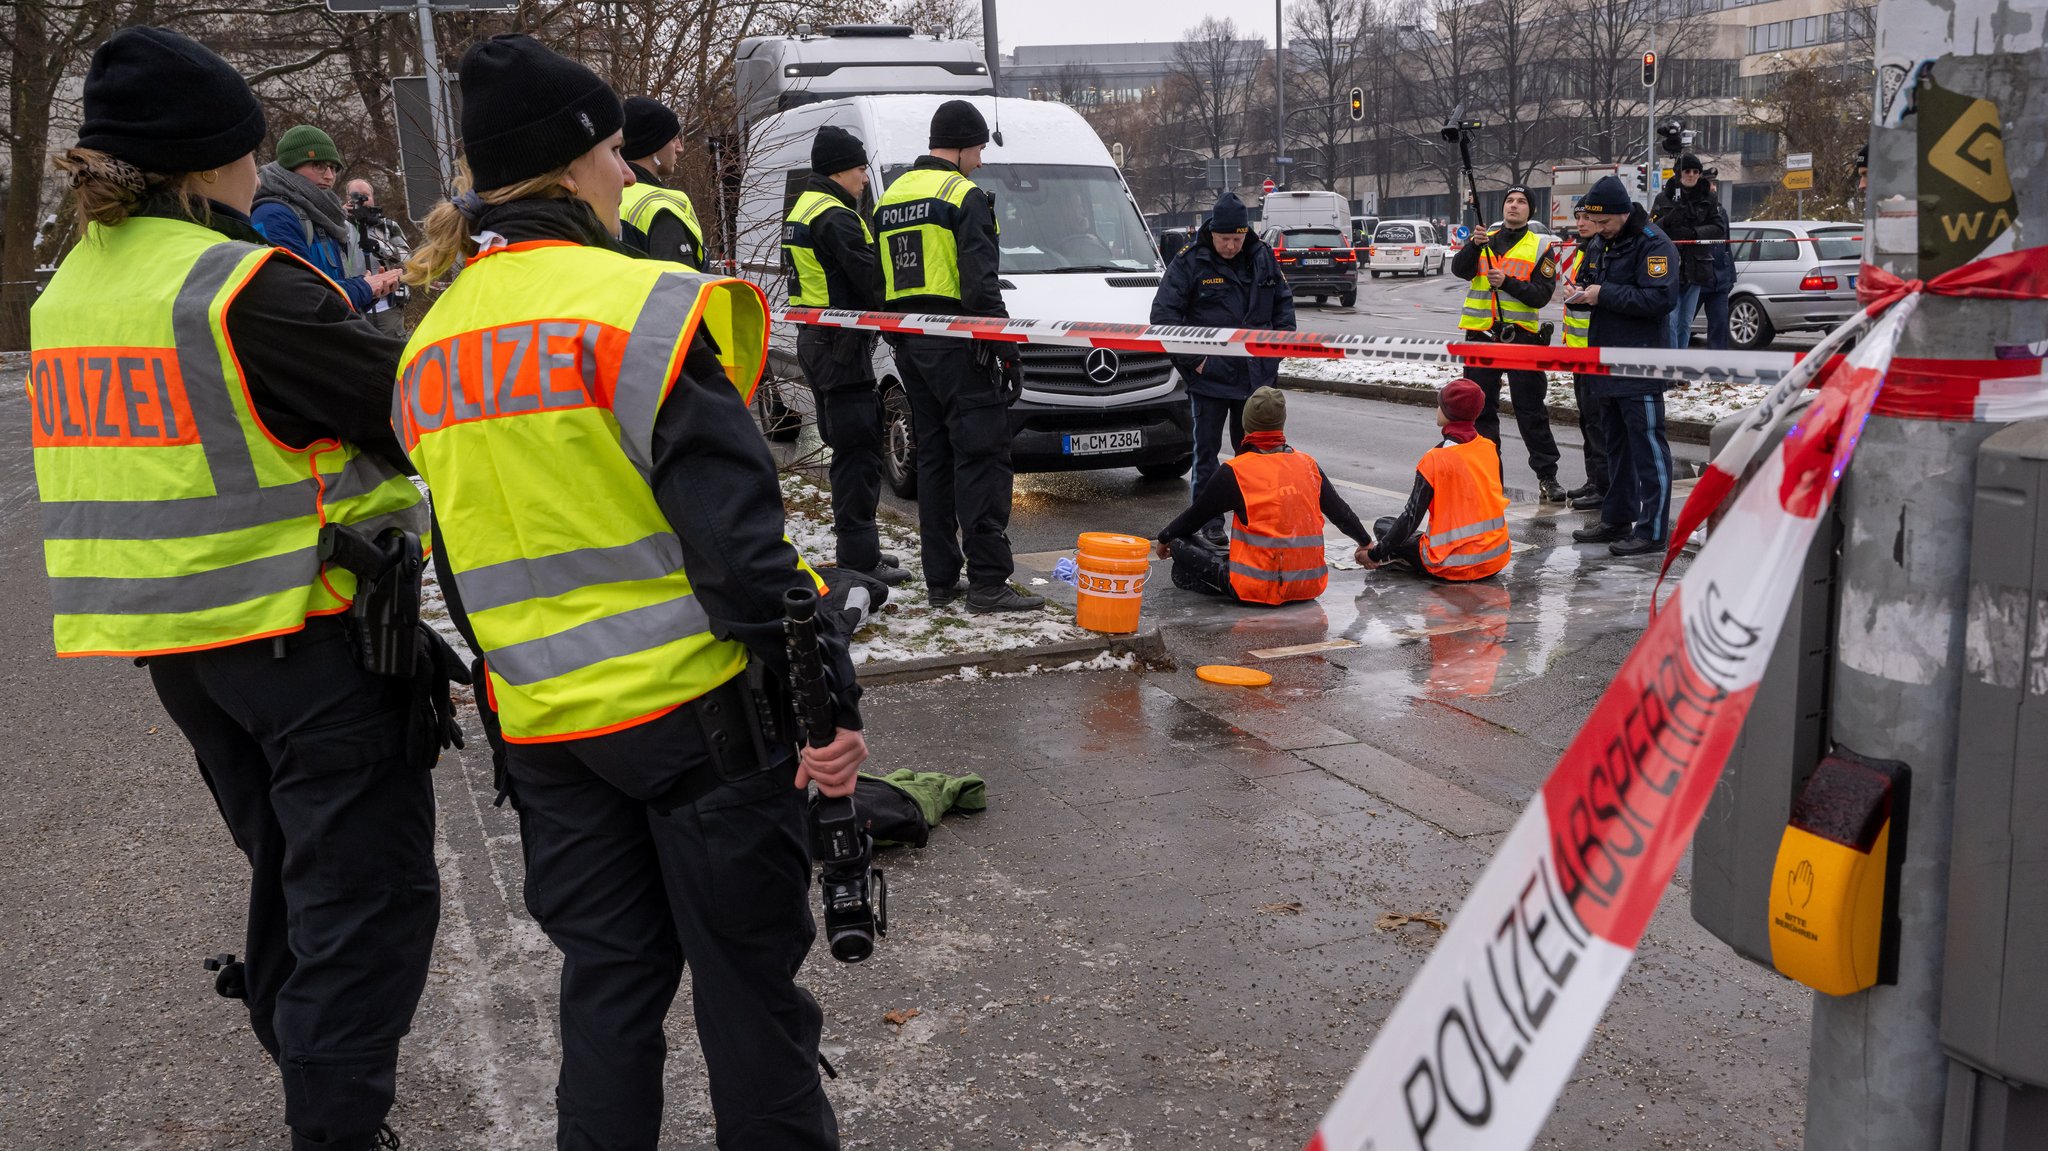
1074 246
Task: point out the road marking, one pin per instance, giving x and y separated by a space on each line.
1420 793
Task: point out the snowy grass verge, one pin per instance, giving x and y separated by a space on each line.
1701 402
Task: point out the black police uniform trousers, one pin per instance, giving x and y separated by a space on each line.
964 480
1639 456
634 870
1592 431
1528 390
306 755
850 423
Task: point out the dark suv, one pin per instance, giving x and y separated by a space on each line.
1318 262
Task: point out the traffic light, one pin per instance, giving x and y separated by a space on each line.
1357 104
1649 69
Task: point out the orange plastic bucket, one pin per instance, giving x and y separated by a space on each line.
1113 569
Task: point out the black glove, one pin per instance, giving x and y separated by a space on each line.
1010 371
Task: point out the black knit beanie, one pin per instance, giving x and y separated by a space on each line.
835 149
958 124
527 111
166 104
649 125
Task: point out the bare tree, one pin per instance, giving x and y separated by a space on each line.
1212 77
1324 37
1515 85
1077 85
1604 77
946 19
1817 102
1446 59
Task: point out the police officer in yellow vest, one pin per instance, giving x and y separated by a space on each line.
1577 321
203 403
939 256
832 264
610 535
1511 273
656 217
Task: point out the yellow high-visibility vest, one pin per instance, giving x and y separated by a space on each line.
917 221
173 520
1577 323
528 401
809 290
1481 300
643 201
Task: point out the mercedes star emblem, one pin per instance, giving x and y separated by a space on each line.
1102 365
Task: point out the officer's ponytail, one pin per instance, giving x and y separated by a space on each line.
106 190
450 229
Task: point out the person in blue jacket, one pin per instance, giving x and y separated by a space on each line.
297 210
1630 284
1227 278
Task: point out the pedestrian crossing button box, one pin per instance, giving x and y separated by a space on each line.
1834 923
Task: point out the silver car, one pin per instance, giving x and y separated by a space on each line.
1790 276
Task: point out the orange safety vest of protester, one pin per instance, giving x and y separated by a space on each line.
1276 548
1468 526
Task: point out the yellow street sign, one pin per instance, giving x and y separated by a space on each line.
1799 180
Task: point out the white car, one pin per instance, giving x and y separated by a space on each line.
1407 246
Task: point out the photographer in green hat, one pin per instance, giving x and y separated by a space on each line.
297 210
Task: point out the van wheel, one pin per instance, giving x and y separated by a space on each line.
1749 326
1375 274
778 423
899 442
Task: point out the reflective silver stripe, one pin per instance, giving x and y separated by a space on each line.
585 644
360 476
411 518
515 581
206 384
1469 530
192 592
1285 575
1259 541
1475 558
175 519
644 366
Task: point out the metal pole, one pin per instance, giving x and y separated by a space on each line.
1651 177
1878 1078
1279 102
437 93
990 47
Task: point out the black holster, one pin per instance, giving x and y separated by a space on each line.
388 636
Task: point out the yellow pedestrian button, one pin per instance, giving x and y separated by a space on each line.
1834 895
1232 675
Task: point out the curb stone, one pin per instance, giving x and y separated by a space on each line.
1684 431
1147 644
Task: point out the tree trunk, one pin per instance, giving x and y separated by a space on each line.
28 147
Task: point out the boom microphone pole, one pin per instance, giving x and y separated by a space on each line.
1459 131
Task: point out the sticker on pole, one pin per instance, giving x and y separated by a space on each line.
1490 1028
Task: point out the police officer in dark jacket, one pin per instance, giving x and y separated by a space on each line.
1512 273
655 216
1687 209
832 264
1629 284
1227 278
318 765
939 255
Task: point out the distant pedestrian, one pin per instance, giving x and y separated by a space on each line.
1687 210
1631 283
385 249
1714 297
1227 278
1457 490
1277 499
297 210
656 216
1511 273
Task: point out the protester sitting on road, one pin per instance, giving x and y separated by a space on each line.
1630 283
1277 499
1458 489
297 210
1227 278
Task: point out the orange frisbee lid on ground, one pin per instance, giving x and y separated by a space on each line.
1233 675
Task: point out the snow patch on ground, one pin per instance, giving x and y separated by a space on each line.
1103 661
1702 402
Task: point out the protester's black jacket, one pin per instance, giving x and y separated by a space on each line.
980 254
1222 494
1534 291
666 237
316 368
713 480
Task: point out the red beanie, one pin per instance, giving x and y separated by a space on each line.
1461 401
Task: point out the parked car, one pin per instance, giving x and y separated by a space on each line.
1790 276
1317 261
1406 246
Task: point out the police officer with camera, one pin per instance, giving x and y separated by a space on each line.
610 537
939 255
1511 273
384 246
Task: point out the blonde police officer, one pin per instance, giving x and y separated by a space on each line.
1510 273
610 535
203 403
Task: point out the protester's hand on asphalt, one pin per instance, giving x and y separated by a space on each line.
1164 548
833 766
1364 558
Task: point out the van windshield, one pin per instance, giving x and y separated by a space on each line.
1063 217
